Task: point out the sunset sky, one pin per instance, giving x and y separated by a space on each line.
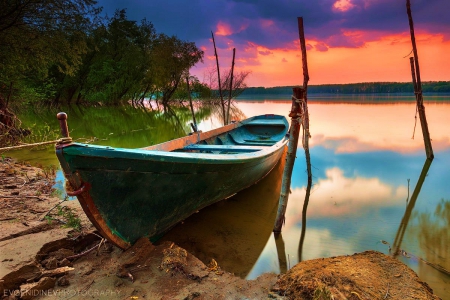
348 41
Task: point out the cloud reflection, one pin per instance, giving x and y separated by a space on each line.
338 195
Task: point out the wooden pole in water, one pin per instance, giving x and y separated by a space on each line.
218 78
299 109
281 252
231 86
306 136
194 126
418 86
290 158
305 121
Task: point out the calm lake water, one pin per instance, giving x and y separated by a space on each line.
365 168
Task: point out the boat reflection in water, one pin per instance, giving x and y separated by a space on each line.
234 231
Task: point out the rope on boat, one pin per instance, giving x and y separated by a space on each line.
58 141
303 105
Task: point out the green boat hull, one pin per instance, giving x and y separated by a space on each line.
134 193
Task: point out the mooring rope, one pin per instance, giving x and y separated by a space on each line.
303 108
65 140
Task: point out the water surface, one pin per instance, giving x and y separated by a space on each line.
365 167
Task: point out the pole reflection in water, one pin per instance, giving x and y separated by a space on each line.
405 220
281 252
234 231
305 208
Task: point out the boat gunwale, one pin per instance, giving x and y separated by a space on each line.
147 153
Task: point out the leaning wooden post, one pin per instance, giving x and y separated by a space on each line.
306 135
231 86
194 126
218 78
294 131
62 118
413 74
305 120
418 92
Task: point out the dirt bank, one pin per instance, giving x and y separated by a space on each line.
60 256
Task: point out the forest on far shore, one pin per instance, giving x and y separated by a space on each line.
355 88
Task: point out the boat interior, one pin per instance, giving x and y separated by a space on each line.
253 136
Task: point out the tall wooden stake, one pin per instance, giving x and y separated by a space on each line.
290 158
299 109
281 252
306 135
231 86
418 86
194 126
218 78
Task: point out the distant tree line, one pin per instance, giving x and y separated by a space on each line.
355 88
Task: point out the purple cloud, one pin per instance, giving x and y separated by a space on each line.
273 24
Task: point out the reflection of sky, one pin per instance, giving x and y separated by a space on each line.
362 156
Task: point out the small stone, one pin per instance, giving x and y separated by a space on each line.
65 263
118 282
61 253
63 281
51 263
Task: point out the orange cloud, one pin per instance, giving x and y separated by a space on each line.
223 29
379 60
342 5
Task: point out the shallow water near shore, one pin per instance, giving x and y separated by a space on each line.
365 167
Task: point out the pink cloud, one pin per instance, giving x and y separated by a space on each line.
266 23
343 5
322 47
266 52
223 29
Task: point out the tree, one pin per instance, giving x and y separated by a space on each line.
198 90
172 57
119 64
35 35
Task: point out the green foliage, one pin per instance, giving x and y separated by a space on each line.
63 51
49 220
433 232
322 293
197 89
72 220
171 59
36 36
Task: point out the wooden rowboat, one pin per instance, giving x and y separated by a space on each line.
132 193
